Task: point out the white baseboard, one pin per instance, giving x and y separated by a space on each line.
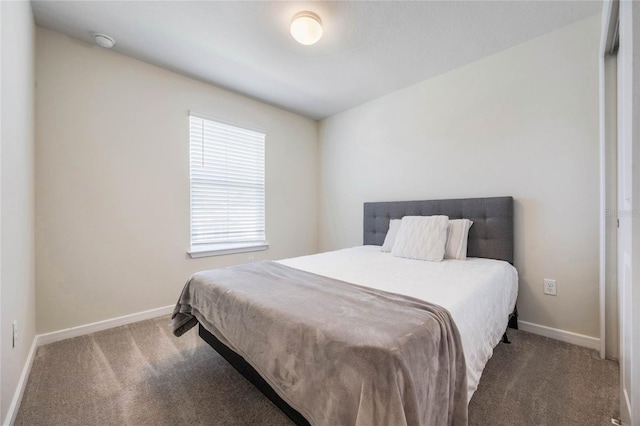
81 330
22 384
562 335
56 336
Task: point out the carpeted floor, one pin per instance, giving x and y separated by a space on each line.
140 374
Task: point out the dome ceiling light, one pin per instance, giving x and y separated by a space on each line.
306 28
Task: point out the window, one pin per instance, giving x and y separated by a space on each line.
227 188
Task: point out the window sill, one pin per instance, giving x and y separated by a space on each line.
222 249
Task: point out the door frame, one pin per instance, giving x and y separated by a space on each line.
608 174
629 135
629 138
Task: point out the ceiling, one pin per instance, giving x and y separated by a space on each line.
368 49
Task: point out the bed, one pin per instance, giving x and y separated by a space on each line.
479 310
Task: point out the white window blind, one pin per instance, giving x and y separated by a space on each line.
227 185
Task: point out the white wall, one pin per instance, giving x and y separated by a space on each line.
112 181
16 193
523 122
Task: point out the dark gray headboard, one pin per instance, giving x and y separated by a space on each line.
491 235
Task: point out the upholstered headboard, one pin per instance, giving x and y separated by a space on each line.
491 235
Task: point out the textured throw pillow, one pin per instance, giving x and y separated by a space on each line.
421 238
390 239
457 237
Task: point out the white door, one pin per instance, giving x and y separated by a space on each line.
625 217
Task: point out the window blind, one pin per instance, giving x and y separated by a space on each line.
227 184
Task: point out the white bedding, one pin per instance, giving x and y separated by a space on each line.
479 293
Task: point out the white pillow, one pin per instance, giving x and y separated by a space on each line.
390 239
457 237
422 238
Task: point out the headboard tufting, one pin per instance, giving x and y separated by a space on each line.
491 235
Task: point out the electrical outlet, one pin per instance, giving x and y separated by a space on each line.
549 287
14 333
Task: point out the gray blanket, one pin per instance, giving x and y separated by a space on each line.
339 353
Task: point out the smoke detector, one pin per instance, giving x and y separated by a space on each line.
104 40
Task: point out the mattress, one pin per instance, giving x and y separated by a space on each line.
478 293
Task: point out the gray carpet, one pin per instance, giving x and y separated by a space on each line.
140 374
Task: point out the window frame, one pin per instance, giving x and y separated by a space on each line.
223 248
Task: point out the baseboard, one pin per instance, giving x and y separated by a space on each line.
81 330
22 384
562 335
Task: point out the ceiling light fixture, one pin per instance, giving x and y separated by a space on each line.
306 28
104 40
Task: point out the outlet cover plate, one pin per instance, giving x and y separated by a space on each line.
14 333
550 287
